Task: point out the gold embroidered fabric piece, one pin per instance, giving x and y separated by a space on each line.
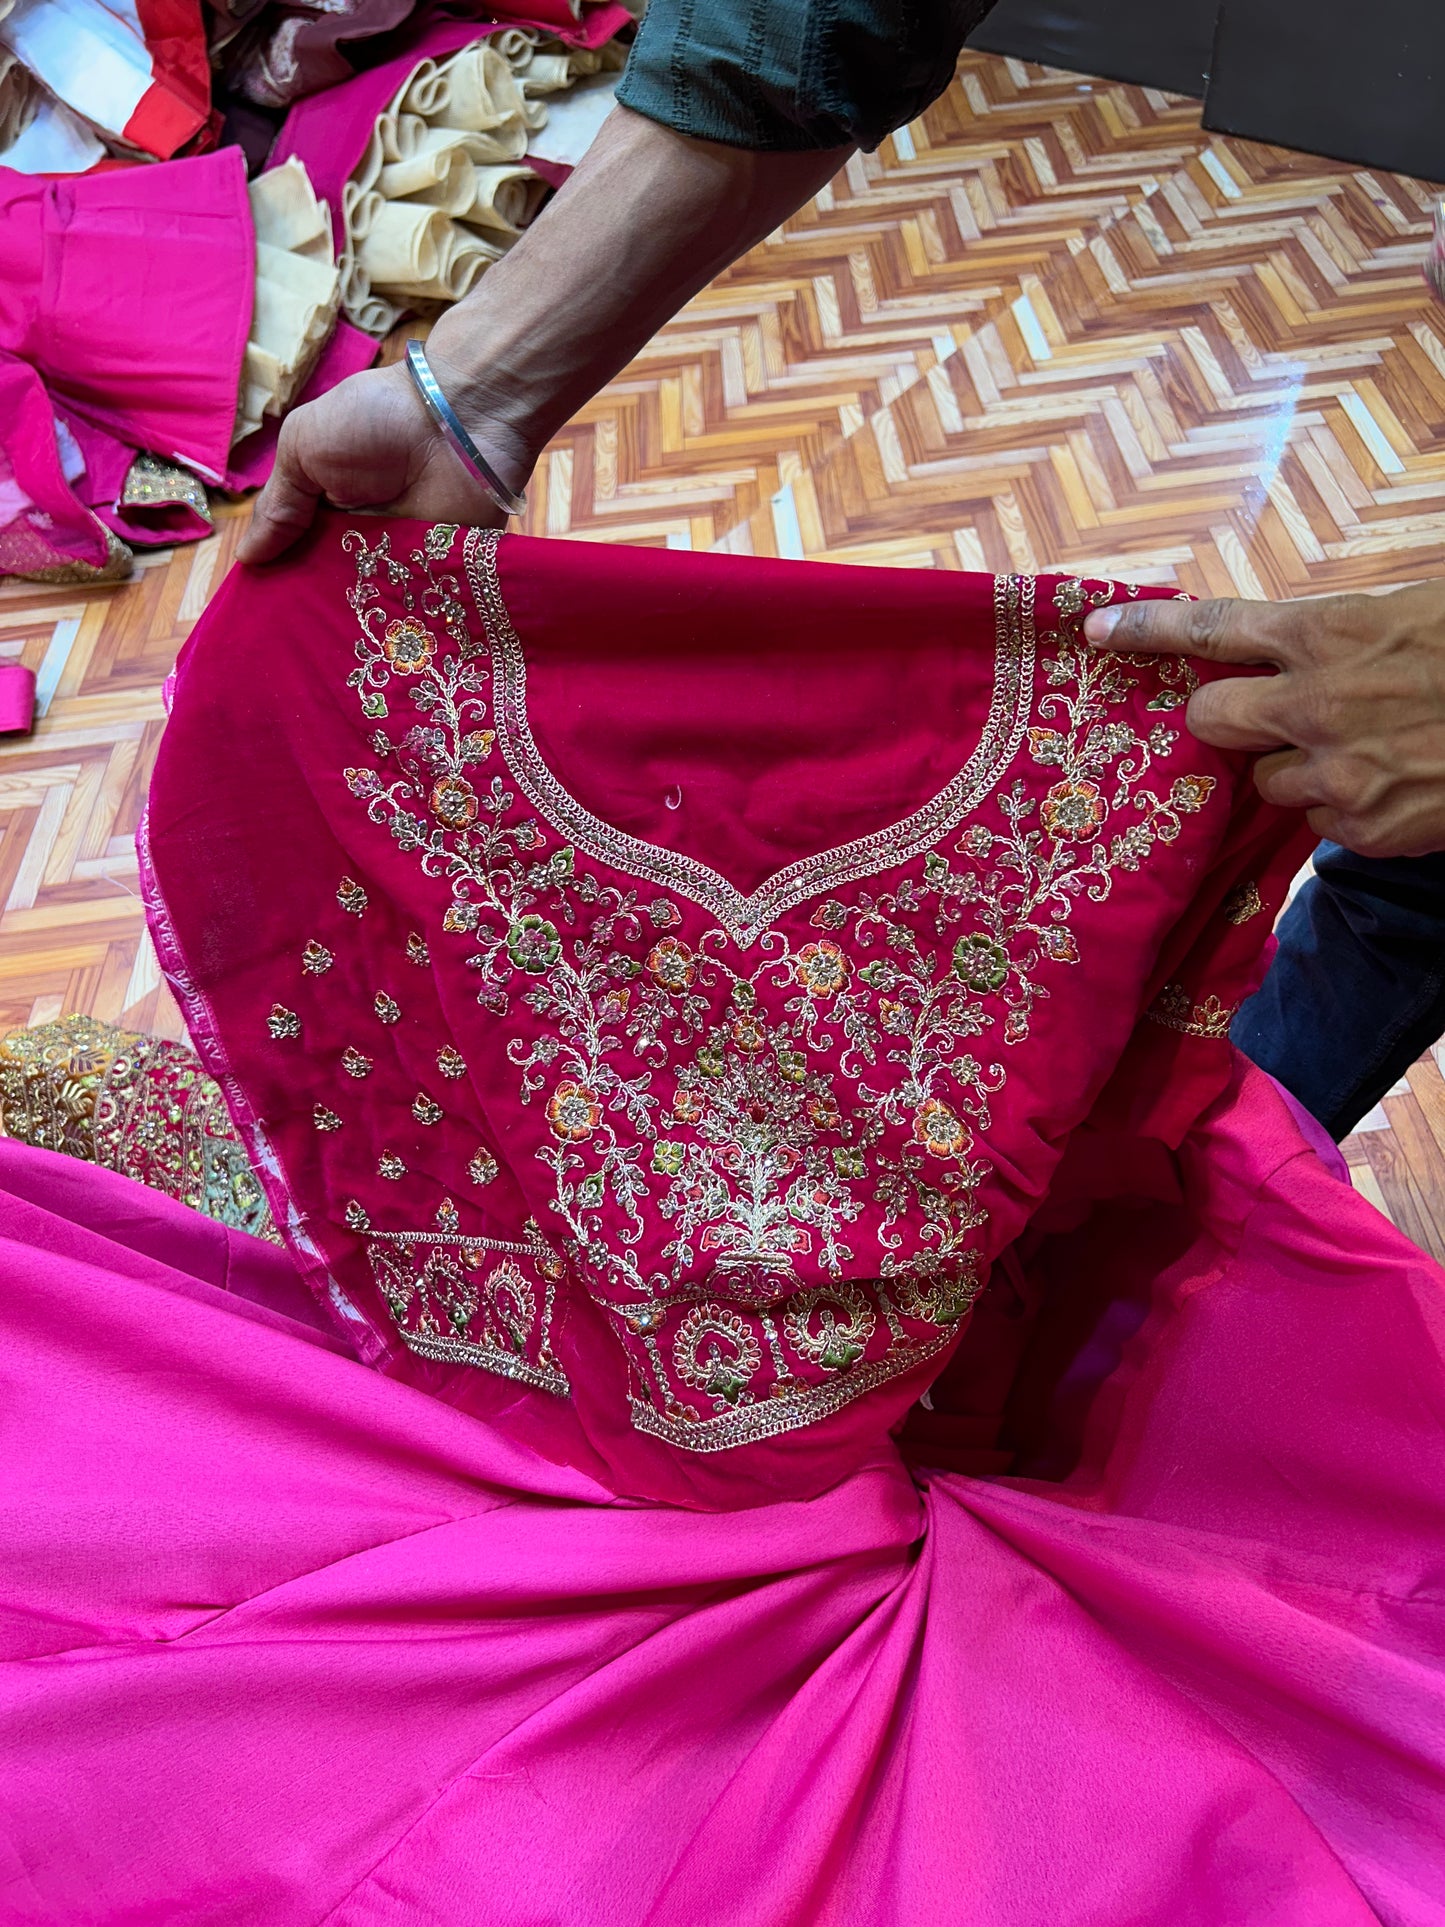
1176 1010
138 1105
766 1142
152 483
745 917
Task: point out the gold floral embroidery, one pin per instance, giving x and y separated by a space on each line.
356 1216
425 1109
787 1129
316 959
387 1008
283 1023
450 1062
351 896
416 951
389 1165
324 1118
354 1062
1176 1010
483 1166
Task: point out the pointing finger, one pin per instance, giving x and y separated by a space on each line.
1220 630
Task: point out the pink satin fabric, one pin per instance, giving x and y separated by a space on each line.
409 1670
289 1638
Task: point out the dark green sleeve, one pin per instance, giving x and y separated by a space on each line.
794 74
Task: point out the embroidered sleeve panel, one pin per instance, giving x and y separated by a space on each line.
753 1129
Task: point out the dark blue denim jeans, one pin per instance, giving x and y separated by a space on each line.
1357 991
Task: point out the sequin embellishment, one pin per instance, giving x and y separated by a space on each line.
416 951
425 1109
483 1166
354 1062
283 1023
351 896
389 1165
386 1008
450 1062
324 1118
316 959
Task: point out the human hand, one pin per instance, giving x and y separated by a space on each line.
369 444
1353 721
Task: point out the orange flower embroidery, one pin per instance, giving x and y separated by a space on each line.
822 969
672 964
941 1133
408 646
1073 812
573 1111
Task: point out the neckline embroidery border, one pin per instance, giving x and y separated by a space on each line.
746 917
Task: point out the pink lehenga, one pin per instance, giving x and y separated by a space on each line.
845 1401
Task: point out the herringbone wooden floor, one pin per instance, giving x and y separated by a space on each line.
1052 323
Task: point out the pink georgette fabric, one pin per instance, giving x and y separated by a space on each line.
293 1638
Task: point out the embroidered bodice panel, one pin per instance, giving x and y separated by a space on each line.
773 1135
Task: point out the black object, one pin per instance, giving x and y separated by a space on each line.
1332 77
1154 43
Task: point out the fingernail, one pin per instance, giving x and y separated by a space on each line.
1101 624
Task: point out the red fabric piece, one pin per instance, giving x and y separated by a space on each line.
752 720
176 108
130 292
17 698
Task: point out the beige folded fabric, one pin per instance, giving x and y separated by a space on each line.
504 200
19 96
423 93
442 176
480 95
298 292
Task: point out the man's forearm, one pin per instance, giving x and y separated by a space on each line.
648 218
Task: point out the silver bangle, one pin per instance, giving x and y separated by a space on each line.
445 417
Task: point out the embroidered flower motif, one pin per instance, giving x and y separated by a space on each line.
449 1219
980 963
1191 793
386 1008
747 1033
938 1130
894 1017
822 969
316 959
389 1165
477 745
715 1351
450 1062
356 1218
848 1163
533 944
1015 1027
351 896
455 801
482 1167
612 1004
459 918
283 1023
1056 941
1047 745
793 1064
362 782
664 915
425 1109
529 837
668 1157
979 840
823 1110
573 1111
325 1119
687 1106
1073 812
672 963
829 915
408 646
416 950
354 1062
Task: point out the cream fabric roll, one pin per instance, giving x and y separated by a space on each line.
403 248
482 97
504 199
424 92
19 98
439 175
298 292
